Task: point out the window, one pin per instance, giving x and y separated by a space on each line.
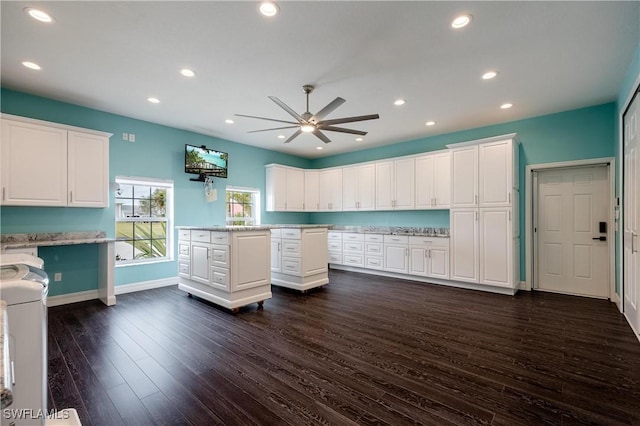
243 206
144 213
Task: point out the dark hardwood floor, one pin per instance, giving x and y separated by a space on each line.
362 350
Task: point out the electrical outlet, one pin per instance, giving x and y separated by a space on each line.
57 276
125 136
132 137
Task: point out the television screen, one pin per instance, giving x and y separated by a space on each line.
205 162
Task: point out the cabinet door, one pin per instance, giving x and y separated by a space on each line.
464 177
496 245
464 245
88 173
404 181
311 190
439 262
366 187
495 173
418 261
200 262
295 190
276 255
276 188
314 252
425 182
384 185
331 190
250 254
442 180
34 165
396 259
350 188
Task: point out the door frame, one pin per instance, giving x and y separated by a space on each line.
530 202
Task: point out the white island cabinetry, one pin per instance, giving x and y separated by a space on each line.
302 262
229 267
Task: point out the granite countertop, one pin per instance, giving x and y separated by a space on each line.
8 241
395 230
252 228
6 397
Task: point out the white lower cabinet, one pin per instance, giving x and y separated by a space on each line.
429 257
231 269
334 245
465 258
396 253
374 251
353 249
303 258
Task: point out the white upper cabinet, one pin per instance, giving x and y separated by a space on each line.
358 187
395 180
285 188
331 190
433 181
311 190
496 173
48 164
464 177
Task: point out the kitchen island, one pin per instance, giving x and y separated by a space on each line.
232 266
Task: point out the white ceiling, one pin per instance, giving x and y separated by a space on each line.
111 56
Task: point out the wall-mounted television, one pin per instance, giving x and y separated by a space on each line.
202 161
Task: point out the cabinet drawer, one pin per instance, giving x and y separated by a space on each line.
183 249
332 235
184 269
291 247
201 236
275 233
220 255
396 239
220 278
353 259
184 234
219 238
373 248
374 237
352 236
353 246
335 257
429 241
291 265
373 262
334 245
293 234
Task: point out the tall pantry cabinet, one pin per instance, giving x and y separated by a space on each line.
485 239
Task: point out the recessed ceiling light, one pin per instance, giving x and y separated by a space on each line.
461 21
430 123
154 100
31 65
269 8
399 102
39 15
319 148
228 121
506 106
489 75
359 139
187 72
280 136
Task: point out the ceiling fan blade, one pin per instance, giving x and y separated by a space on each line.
342 129
321 136
328 109
275 128
264 118
286 108
350 119
293 136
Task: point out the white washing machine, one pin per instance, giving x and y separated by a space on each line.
24 286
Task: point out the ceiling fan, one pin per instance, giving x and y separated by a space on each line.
314 123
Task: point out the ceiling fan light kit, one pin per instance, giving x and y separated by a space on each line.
313 123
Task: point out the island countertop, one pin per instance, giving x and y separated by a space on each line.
239 228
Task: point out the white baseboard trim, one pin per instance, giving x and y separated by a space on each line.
83 296
522 285
616 299
65 299
145 285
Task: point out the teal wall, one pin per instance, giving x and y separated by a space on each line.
570 135
158 152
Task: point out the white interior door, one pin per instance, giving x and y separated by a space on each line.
631 217
571 259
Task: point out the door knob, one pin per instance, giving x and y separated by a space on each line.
600 238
